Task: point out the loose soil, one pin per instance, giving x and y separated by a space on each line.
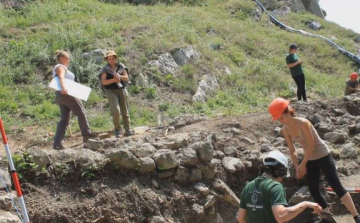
125 196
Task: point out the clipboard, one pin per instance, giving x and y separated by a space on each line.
74 89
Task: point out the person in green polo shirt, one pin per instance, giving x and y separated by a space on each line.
263 200
294 64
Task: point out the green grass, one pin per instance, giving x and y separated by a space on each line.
254 51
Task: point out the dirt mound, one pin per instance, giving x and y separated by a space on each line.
194 174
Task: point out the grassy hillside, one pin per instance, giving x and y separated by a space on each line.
223 31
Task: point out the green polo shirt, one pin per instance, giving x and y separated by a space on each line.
259 196
297 70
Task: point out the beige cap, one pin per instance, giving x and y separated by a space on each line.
110 53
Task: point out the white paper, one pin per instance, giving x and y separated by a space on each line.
74 89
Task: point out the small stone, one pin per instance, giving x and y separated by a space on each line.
166 173
218 154
234 131
195 175
6 202
155 184
94 144
104 135
201 188
188 157
247 141
229 151
335 154
338 112
157 219
210 201
314 25
265 148
182 175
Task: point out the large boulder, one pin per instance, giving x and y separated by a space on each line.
146 165
335 137
323 127
232 164
188 157
314 25
41 157
165 159
144 150
205 151
301 195
140 80
207 85
350 151
165 63
6 178
228 194
123 158
185 55
8 217
83 158
96 56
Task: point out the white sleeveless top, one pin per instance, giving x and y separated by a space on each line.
68 74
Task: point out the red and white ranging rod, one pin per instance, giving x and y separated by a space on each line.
14 174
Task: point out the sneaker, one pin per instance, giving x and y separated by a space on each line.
128 133
59 147
357 219
117 133
87 137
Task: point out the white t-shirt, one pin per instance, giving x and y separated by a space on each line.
68 74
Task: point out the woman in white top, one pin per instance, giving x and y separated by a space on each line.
67 103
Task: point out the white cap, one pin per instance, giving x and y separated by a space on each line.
278 156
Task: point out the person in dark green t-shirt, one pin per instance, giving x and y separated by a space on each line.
294 64
263 200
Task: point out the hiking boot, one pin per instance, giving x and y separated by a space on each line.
87 137
59 147
117 133
128 133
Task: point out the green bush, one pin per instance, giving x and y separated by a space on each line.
185 85
150 92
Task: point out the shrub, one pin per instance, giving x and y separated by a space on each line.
150 92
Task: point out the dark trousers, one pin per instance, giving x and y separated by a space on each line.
67 104
327 165
300 82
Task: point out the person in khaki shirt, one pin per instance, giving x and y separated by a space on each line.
114 77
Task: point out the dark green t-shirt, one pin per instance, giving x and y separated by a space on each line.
297 70
353 84
259 196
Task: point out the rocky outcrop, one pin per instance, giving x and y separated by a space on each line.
186 55
207 85
165 63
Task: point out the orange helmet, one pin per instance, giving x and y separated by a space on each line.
354 75
277 107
